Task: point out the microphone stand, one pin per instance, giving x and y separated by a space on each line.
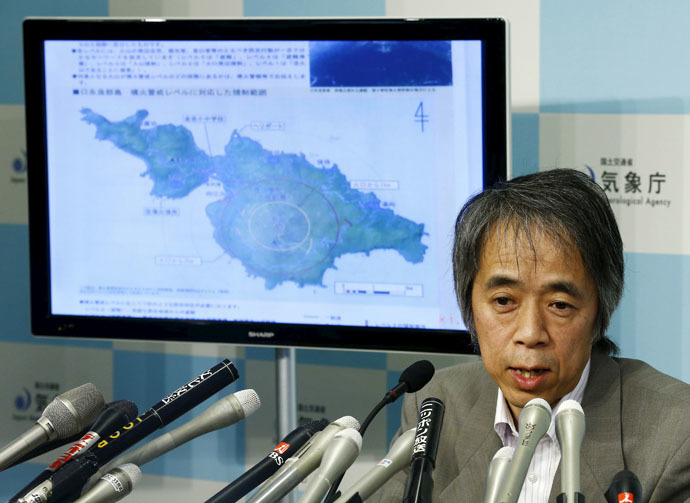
286 398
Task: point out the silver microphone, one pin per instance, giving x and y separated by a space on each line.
535 419
397 458
301 464
497 472
113 486
67 415
570 430
225 412
338 457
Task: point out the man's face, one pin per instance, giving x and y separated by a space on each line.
534 312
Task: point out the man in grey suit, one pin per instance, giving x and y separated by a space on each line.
538 267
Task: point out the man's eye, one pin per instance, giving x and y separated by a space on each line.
502 301
561 306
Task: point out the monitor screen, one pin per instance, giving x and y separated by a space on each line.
281 182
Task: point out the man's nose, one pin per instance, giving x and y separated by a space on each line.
530 330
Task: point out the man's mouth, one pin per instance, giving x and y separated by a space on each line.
529 373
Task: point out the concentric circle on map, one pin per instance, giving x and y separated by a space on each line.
279 226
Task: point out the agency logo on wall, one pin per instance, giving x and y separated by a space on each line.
18 168
626 185
640 163
29 401
23 400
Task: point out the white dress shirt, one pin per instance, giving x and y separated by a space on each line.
547 455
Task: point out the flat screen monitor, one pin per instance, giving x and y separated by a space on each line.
254 181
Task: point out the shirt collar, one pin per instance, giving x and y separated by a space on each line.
503 420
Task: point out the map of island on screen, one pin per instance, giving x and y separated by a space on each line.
304 182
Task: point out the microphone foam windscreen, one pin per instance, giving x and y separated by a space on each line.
417 375
128 407
249 401
74 409
348 422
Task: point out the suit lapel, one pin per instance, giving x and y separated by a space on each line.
475 446
601 455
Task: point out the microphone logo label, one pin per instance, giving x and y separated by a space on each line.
625 498
184 389
277 458
82 444
421 436
281 448
529 430
113 481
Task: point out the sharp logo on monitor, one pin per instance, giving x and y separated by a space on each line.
262 335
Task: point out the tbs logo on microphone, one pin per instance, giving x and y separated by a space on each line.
276 454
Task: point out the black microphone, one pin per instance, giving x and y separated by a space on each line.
420 483
411 380
258 473
625 488
67 481
66 415
115 414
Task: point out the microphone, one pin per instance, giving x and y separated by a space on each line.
68 480
497 472
570 430
535 419
412 379
292 442
338 457
299 466
110 419
625 488
66 415
113 486
420 484
397 458
126 405
225 412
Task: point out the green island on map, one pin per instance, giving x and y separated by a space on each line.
282 217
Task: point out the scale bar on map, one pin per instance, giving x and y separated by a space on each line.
391 289
375 184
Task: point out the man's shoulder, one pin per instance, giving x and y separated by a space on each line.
638 377
464 381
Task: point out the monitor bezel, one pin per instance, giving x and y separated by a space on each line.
496 154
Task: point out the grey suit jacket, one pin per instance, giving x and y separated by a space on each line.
636 418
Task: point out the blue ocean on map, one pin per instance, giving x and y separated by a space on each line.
380 63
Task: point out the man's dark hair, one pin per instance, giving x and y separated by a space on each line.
563 204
